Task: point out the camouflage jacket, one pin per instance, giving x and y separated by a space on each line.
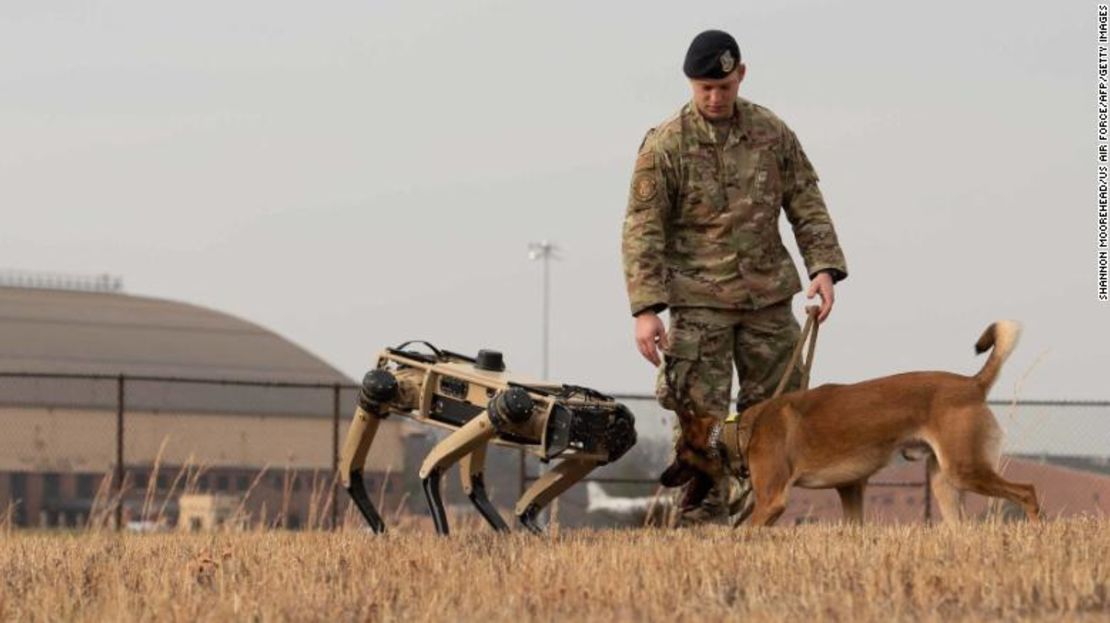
702 229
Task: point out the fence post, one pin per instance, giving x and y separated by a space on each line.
119 450
928 496
522 472
335 457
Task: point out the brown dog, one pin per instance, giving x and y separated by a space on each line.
837 436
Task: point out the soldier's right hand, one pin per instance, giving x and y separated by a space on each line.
650 336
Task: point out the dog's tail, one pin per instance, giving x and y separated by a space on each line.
1003 336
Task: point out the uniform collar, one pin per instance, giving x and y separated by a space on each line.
703 131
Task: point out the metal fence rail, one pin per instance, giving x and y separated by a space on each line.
129 400
122 382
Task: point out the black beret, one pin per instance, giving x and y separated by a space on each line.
713 54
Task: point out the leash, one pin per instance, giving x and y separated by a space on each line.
807 336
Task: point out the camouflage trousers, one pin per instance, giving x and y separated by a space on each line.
704 345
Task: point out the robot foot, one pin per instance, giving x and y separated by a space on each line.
480 499
435 501
529 517
362 501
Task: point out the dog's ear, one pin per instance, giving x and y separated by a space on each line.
676 474
696 432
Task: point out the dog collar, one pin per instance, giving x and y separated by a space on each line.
716 450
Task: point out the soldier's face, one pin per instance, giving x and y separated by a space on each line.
715 98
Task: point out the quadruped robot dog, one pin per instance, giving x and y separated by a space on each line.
482 403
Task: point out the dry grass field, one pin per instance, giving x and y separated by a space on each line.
1058 570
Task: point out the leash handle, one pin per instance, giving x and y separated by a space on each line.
809 333
811 313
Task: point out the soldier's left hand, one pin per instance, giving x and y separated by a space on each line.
822 285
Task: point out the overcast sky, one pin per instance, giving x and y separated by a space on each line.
355 174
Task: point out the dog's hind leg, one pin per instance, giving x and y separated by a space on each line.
949 499
851 501
976 468
985 481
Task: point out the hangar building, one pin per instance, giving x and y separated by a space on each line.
58 436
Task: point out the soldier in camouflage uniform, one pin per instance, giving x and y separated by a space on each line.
701 238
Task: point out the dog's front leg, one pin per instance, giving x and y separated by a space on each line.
851 501
768 513
770 483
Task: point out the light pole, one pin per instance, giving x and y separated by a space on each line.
541 251
544 251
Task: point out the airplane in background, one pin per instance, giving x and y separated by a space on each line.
627 510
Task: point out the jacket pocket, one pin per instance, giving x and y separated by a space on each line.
703 199
767 181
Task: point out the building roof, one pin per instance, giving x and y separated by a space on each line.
56 331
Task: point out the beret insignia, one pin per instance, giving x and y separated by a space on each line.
727 62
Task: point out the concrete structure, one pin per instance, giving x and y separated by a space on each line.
58 436
205 511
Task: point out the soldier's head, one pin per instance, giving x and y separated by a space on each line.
714 69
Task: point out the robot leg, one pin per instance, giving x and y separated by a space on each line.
550 486
473 483
464 441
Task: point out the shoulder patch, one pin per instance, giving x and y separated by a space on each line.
645 161
644 187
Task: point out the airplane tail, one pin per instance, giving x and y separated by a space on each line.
596 498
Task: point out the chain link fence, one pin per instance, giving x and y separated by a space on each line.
139 451
155 453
